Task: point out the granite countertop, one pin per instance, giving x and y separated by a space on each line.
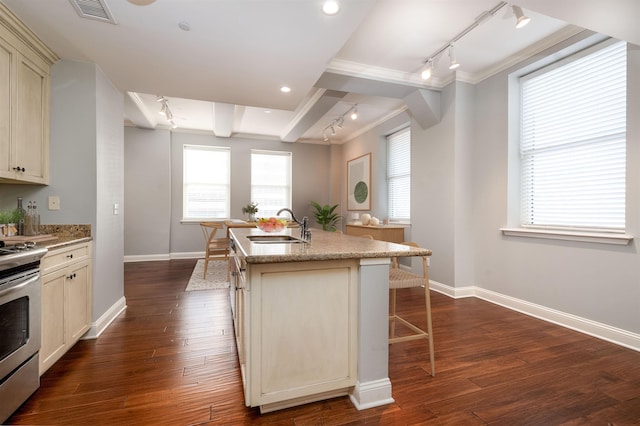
65 235
65 241
323 246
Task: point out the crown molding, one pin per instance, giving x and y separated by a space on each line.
374 124
12 23
526 53
354 69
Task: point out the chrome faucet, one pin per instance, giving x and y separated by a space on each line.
305 232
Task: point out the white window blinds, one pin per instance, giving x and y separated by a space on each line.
573 142
206 182
270 181
399 175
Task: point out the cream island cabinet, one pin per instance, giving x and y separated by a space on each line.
25 63
311 319
66 300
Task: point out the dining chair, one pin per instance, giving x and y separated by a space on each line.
399 279
215 248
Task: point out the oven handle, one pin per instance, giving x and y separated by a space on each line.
25 283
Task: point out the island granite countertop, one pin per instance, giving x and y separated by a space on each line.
323 246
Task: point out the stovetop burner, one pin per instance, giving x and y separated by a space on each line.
19 254
15 248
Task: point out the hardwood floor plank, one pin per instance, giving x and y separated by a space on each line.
170 359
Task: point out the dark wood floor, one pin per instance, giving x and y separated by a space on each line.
170 360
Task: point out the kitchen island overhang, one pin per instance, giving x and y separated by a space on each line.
311 319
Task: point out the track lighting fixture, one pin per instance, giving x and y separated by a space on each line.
521 19
164 110
339 122
453 64
427 71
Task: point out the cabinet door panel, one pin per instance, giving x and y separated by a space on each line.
7 55
31 121
78 300
303 329
53 343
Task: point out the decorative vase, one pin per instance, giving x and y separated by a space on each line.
365 218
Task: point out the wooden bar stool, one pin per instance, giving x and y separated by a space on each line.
399 278
215 248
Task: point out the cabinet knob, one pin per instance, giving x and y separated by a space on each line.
70 256
72 276
19 169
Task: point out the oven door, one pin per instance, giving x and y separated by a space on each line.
19 320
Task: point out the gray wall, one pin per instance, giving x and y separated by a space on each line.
147 177
595 281
87 169
108 268
153 186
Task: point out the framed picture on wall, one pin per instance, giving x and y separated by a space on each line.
359 183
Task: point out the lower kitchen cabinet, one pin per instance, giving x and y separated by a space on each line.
296 331
66 300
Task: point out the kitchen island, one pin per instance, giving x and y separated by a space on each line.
311 318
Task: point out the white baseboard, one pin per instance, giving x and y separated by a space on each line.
169 256
592 328
105 319
146 258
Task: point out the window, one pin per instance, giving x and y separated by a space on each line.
399 175
573 142
206 182
270 181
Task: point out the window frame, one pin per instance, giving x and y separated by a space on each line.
399 176
607 235
288 187
185 183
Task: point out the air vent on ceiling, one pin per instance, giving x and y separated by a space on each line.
93 9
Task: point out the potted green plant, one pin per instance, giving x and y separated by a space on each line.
251 209
325 216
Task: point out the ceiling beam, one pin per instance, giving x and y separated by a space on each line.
223 116
315 109
136 111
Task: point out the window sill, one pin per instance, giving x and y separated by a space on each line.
589 237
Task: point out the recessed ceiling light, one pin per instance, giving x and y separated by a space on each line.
330 7
285 89
184 26
141 2
267 111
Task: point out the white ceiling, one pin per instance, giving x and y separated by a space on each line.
224 74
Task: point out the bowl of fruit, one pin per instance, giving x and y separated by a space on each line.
272 224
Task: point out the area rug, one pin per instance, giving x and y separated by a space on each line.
216 276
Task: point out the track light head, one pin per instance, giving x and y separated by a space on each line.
521 19
428 70
453 64
354 113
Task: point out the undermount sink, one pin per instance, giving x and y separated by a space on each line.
274 239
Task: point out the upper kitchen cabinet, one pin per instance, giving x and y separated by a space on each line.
25 63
